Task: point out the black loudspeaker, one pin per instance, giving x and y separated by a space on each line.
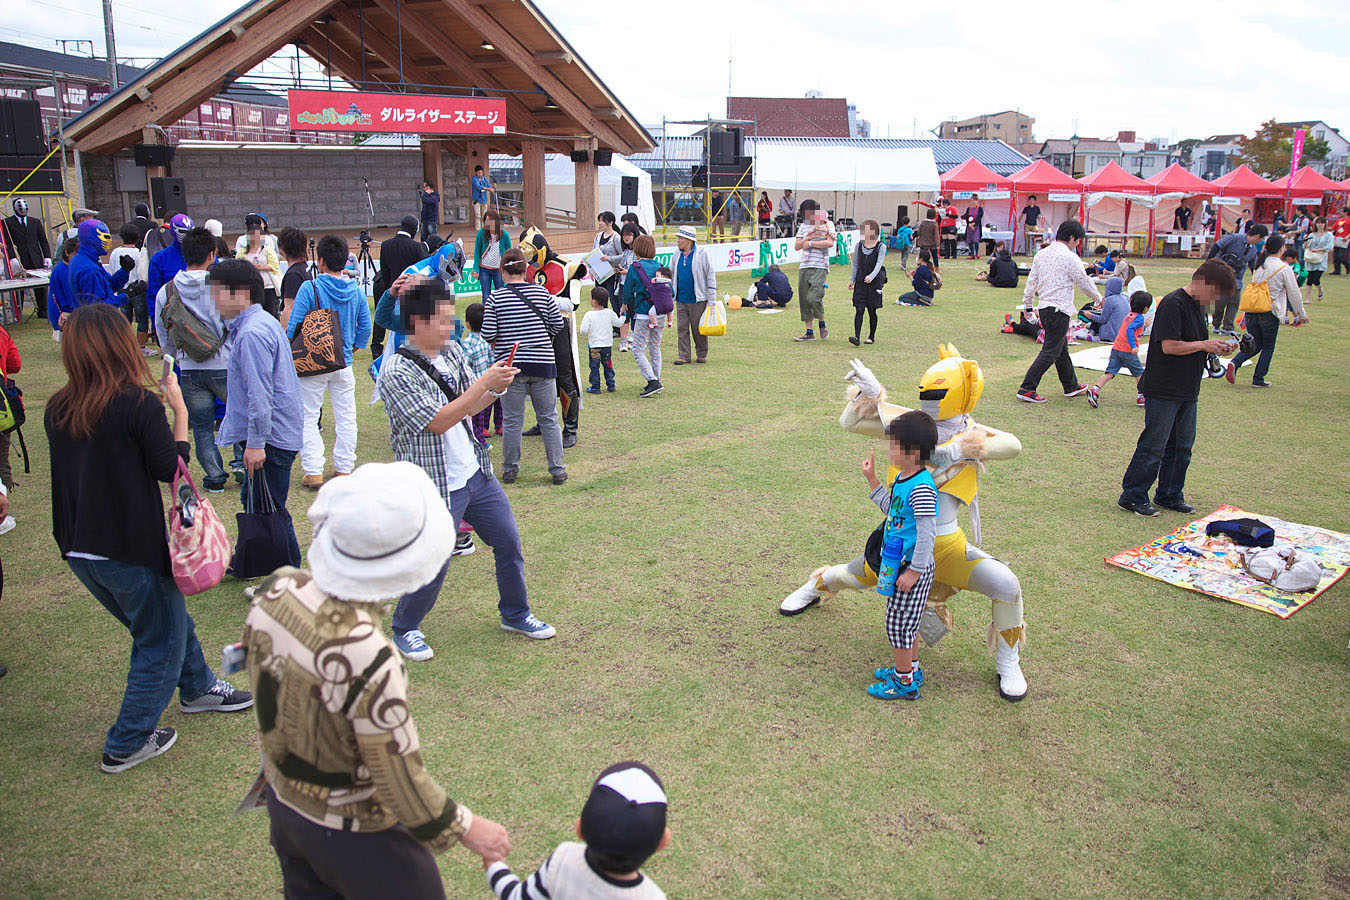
14 169
153 154
21 128
698 176
167 197
579 156
604 157
737 141
721 148
900 212
628 190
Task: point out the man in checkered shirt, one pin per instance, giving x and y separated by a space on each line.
430 398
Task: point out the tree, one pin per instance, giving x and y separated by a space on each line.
1268 151
1184 150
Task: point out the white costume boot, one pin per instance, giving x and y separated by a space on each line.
1012 685
804 597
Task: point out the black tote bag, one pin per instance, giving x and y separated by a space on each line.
264 533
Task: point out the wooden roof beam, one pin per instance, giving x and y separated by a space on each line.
176 89
425 31
516 52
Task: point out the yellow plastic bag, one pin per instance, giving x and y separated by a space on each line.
713 322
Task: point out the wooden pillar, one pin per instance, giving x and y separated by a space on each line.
532 177
432 171
585 183
476 154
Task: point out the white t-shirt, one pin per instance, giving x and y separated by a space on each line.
461 460
114 262
598 325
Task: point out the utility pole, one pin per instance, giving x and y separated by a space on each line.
111 44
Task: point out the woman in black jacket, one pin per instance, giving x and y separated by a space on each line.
111 447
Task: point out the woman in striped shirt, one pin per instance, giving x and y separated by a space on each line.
519 312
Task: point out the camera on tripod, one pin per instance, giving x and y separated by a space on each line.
365 238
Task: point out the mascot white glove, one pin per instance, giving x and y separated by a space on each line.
864 378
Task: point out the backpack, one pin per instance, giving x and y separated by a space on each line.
187 332
660 293
12 414
1245 532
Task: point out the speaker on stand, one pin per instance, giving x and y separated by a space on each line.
168 197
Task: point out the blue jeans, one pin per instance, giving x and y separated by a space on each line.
1120 360
1265 327
201 388
165 654
276 474
483 504
1163 453
490 279
428 228
602 361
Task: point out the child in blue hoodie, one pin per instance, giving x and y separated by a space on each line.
331 290
60 301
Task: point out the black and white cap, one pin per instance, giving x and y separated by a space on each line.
624 818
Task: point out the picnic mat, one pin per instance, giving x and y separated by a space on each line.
1189 559
1095 357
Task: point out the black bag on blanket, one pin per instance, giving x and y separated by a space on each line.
1243 532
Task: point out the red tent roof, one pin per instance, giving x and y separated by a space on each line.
1307 184
1176 180
1243 182
1041 176
1112 178
973 175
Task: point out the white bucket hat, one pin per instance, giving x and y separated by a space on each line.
380 532
688 233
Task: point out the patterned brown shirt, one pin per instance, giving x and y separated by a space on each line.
339 745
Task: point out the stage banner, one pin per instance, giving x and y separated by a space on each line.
365 111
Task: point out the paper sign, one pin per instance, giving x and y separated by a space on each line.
1064 198
1227 201
1186 243
1173 238
600 270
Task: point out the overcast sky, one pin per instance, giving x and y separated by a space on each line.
1162 68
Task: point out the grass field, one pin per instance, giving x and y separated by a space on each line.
1171 745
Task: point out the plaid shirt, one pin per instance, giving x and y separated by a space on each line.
412 399
477 353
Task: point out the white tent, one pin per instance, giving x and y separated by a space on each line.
560 173
804 167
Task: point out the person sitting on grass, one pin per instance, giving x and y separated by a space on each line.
773 289
1104 264
1125 348
1104 318
910 506
925 281
623 824
1002 268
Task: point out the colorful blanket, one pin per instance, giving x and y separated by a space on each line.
1189 559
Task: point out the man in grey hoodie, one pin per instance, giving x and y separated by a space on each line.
202 383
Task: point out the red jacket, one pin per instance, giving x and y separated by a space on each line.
9 354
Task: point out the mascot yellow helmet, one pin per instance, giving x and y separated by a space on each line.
954 382
534 245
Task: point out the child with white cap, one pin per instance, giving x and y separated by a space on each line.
622 824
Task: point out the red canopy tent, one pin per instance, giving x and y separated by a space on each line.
1242 182
1044 180
1307 184
1114 182
1172 185
975 178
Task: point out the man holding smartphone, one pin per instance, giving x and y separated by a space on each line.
1173 370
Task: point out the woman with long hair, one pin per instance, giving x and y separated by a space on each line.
1279 278
1318 248
646 323
488 248
111 448
764 216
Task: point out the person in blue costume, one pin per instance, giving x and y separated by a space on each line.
89 281
166 263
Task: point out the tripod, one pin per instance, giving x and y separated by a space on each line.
364 263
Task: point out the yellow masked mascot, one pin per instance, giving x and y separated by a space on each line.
948 393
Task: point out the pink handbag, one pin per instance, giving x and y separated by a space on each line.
199 548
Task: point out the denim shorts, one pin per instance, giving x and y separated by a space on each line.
1121 360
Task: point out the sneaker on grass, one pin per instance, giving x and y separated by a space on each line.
894 689
413 645
531 628
886 673
1138 399
219 697
160 740
463 545
1077 392
1030 397
1093 395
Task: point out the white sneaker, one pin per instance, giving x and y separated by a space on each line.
149 352
800 600
1012 685
7 524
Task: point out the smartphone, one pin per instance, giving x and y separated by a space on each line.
512 355
168 366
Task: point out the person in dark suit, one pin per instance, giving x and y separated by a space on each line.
144 223
27 238
396 254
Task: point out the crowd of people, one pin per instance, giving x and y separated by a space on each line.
250 350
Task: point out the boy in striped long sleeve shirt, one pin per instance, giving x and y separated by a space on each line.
1125 350
623 823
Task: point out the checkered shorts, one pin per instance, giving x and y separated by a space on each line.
904 609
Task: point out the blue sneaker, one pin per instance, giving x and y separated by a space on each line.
413 645
886 673
592 390
892 689
531 628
